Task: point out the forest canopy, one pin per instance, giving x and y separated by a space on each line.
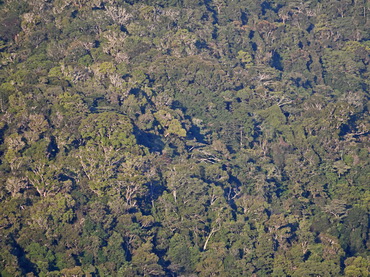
184 138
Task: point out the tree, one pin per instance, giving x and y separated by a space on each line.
356 267
181 254
146 262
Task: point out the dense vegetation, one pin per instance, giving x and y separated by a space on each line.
184 138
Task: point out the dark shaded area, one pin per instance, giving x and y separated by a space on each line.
153 142
310 28
53 149
24 263
244 18
276 61
9 27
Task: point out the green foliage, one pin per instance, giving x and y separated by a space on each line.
108 130
41 256
182 138
358 266
180 254
245 58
